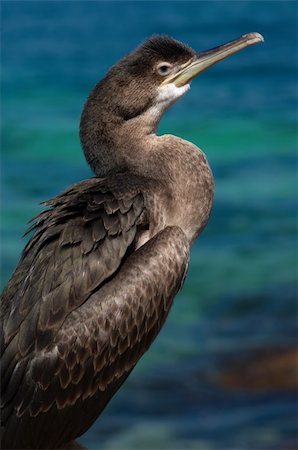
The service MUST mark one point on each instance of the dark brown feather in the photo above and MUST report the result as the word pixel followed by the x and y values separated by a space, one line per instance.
pixel 70 326
pixel 87 343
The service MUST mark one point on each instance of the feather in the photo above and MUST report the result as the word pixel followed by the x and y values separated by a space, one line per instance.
pixel 83 311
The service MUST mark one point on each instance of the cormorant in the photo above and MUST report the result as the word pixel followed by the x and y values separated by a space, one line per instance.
pixel 96 280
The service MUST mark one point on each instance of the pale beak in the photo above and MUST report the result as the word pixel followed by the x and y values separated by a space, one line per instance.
pixel 206 59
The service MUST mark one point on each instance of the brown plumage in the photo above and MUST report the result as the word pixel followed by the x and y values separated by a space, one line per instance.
pixel 96 280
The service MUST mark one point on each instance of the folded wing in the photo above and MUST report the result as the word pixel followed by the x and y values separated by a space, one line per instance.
pixel 80 310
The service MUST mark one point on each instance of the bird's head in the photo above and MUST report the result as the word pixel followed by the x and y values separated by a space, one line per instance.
pixel 142 76
pixel 144 84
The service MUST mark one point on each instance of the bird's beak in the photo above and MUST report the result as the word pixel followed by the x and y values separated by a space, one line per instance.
pixel 206 59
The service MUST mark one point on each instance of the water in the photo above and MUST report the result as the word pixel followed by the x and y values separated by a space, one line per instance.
pixel 239 297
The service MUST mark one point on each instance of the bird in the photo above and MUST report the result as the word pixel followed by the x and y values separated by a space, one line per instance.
pixel 106 257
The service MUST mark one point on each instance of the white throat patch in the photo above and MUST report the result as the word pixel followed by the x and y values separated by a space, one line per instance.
pixel 169 93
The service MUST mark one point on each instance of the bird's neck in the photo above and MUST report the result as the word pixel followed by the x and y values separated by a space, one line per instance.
pixel 177 168
pixel 114 144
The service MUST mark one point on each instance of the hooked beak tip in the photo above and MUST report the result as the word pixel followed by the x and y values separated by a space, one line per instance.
pixel 254 36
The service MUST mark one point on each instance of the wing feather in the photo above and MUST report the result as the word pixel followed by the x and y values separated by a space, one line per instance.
pixel 83 311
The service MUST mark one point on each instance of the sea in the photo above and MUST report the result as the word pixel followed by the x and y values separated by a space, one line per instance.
pixel 222 374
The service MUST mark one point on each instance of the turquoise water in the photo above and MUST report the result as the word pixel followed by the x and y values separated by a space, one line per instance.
pixel 239 297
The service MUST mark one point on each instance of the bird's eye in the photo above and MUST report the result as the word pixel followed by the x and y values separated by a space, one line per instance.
pixel 164 68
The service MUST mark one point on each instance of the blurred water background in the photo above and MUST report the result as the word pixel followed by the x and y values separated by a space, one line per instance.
pixel 222 374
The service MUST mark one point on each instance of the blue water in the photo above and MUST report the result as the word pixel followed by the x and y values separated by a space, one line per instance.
pixel 240 294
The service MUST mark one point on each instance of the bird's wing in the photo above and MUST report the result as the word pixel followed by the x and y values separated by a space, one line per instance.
pixel 78 243
pixel 84 313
